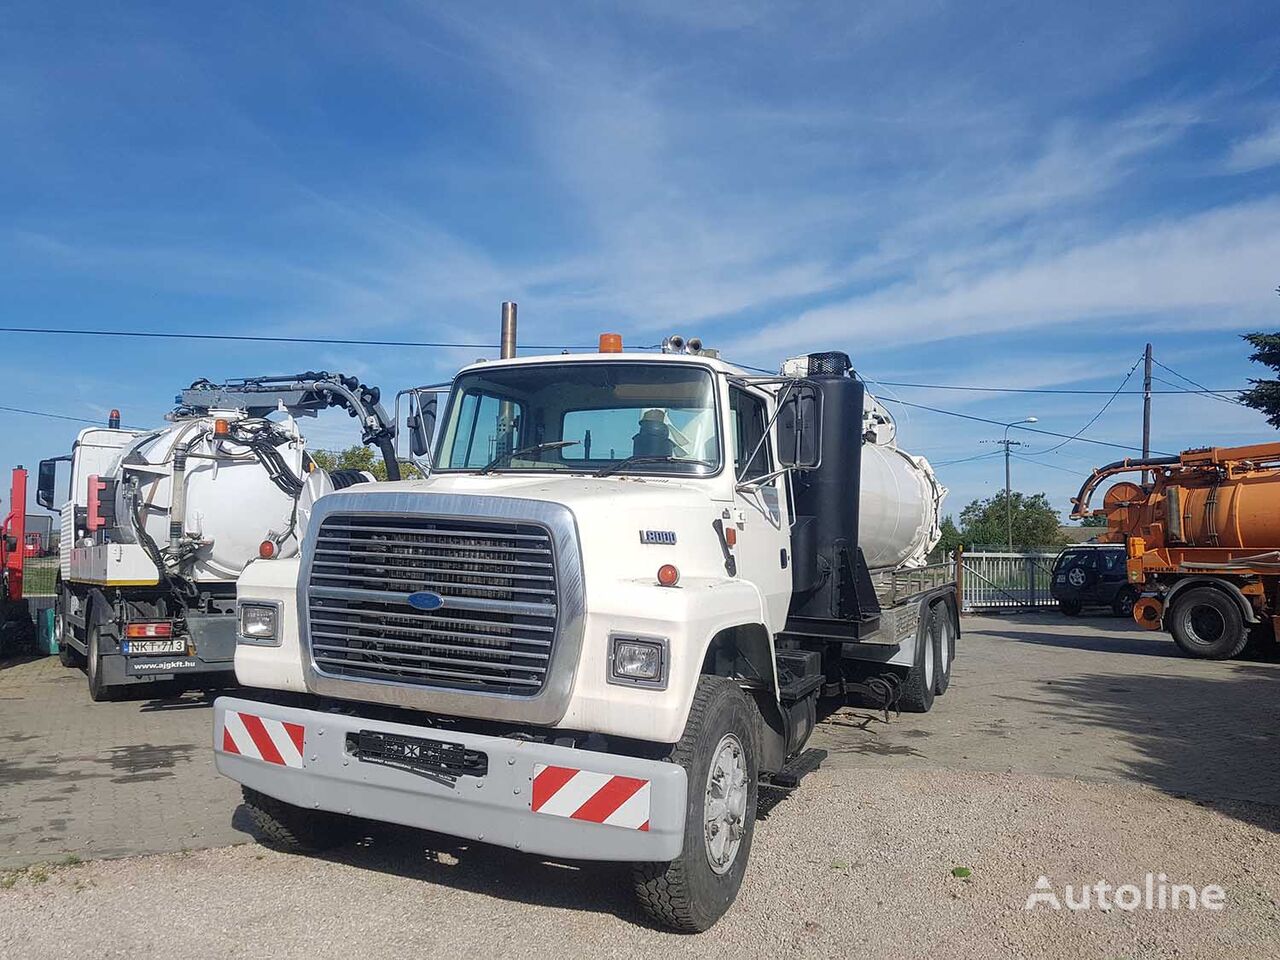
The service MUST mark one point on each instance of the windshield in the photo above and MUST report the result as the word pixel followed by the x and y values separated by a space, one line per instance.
pixel 584 417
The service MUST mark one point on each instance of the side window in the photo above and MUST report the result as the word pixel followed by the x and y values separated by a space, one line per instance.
pixel 475 441
pixel 748 420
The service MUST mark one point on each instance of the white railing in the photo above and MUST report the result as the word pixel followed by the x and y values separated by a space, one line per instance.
pixel 1001 581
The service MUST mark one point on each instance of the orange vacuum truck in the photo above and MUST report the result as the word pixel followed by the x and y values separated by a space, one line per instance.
pixel 1203 543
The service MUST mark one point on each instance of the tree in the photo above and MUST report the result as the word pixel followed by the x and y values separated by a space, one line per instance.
pixel 951 539
pixel 1035 523
pixel 1094 521
pixel 1264 395
pixel 359 457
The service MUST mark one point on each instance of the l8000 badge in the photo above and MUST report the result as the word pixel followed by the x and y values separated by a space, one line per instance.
pixel 665 537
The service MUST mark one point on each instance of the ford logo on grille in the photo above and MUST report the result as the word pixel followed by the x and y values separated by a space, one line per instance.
pixel 426 600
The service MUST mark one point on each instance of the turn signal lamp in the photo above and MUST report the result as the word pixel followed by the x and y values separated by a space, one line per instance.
pixel 610 343
pixel 668 575
pixel 730 536
pixel 266 549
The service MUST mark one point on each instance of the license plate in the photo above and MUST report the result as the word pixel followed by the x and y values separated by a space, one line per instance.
pixel 429 758
pixel 143 647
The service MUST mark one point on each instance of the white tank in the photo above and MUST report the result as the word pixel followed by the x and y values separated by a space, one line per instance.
pixel 229 503
pixel 900 506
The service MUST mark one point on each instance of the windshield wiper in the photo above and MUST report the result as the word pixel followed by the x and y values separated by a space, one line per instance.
pixel 647 458
pixel 535 448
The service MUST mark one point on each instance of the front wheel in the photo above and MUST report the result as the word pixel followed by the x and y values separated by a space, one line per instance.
pixel 1122 605
pixel 718 753
pixel 286 827
pixel 1070 608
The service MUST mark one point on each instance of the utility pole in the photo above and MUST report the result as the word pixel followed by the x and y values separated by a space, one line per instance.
pixel 1008 484
pixel 1146 408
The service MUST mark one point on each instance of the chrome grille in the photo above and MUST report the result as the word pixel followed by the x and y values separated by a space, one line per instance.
pixel 494 632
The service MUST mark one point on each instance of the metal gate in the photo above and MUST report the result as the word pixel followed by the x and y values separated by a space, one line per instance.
pixel 1001 581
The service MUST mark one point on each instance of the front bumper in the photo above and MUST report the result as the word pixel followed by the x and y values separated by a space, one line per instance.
pixel 536 797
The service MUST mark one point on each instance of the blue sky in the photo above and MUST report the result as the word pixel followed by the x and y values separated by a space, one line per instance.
pixel 1021 197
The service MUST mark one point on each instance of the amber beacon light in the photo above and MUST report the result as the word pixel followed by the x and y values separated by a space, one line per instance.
pixel 610 343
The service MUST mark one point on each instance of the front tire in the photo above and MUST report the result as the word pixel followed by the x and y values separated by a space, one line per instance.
pixel 283 826
pixel 718 753
pixel 1207 624
pixel 1070 608
pixel 1122 605
pixel 67 655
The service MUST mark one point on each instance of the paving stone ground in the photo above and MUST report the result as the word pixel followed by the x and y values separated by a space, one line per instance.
pixel 1091 698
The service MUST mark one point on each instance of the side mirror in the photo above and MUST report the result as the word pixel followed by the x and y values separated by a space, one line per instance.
pixel 421 423
pixel 45 482
pixel 800 428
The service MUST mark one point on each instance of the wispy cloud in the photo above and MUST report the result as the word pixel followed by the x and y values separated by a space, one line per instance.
pixel 1256 152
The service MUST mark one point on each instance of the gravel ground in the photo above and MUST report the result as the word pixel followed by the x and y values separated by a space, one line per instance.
pixel 843 866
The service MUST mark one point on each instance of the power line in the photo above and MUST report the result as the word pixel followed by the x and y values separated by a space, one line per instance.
pixel 1165 366
pixel 1001 423
pixel 1051 466
pixel 1048 390
pixel 980 456
pixel 339 341
pixel 51 416
pixel 1094 418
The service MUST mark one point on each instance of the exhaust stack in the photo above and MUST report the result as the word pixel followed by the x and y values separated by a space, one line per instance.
pixel 508 343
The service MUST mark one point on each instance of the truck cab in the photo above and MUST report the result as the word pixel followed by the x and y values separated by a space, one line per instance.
pixel 608 612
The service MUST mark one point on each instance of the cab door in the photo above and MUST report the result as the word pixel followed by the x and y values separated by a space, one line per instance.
pixel 758 511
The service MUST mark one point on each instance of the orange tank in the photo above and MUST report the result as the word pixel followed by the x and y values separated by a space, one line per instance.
pixel 1220 497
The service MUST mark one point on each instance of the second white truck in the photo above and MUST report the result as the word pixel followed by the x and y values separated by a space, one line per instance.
pixel 609 612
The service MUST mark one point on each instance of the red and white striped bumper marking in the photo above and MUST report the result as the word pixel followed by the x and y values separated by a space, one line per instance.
pixel 591 797
pixel 262 738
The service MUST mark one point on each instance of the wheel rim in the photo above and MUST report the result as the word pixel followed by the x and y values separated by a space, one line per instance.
pixel 1076 577
pixel 945 643
pixel 725 805
pixel 58 628
pixel 929 665
pixel 92 647
pixel 1207 623
pixel 1126 604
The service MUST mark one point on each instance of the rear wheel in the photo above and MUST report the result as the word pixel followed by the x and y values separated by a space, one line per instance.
pixel 917 692
pixel 944 638
pixel 1208 624
pixel 1070 608
pixel 286 827
pixel 99 690
pixel 718 754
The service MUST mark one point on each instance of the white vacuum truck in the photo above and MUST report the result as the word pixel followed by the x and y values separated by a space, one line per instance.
pixel 607 615
pixel 159 523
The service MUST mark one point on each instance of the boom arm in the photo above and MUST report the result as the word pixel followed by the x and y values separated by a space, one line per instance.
pixel 300 394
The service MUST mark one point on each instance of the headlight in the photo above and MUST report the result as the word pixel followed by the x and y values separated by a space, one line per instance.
pixel 638 661
pixel 259 623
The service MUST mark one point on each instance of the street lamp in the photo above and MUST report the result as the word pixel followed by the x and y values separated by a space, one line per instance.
pixel 1008 493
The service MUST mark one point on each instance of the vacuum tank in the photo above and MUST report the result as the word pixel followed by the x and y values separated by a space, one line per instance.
pixel 900 506
pixel 207 491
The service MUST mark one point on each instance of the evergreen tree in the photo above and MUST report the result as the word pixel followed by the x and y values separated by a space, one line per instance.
pixel 1264 395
